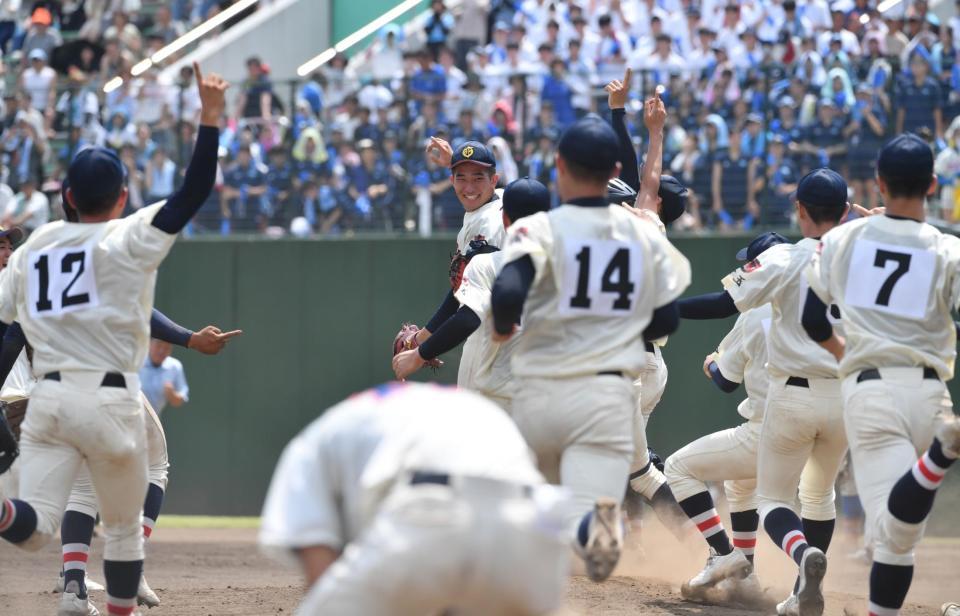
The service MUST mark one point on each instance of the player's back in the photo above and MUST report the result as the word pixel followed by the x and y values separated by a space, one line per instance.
pixel 743 356
pixel 778 277
pixel 896 282
pixel 600 274
pixel 83 292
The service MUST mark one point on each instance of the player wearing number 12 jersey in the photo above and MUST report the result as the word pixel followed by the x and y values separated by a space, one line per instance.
pixel 83 293
pixel 896 280
pixel 592 281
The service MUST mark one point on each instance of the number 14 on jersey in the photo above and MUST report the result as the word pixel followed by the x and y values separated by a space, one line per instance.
pixel 600 277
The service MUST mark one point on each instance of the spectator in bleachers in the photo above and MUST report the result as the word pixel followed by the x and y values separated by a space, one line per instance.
pixel 365 128
pixel 426 124
pixel 321 206
pixel 848 40
pixel 41 35
pixel 456 80
pixel 256 96
pixel 39 80
pixel 120 131
pixel 128 156
pixel 281 177
pixel 242 201
pixel 438 28
pixel 164 26
pixel 542 162
pixel 25 153
pixel 557 91
pixel 9 10
pixel 919 100
pixel 824 143
pixel 310 156
pixel 159 176
pixel 782 176
pixel 373 188
pixel 183 100
pixel 866 133
pixel 124 32
pixel 447 213
pixel 29 209
pixel 467 128
pixel 734 188
pixel 428 82
pixel 152 98
pixel 753 141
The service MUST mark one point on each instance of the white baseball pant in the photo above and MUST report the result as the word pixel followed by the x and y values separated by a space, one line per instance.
pixel 75 420
pixel 648 389
pixel 802 445
pixel 433 548
pixel 890 422
pixel 83 498
pixel 581 431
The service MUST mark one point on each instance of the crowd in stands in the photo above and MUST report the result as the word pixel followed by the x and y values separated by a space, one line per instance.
pixel 758 92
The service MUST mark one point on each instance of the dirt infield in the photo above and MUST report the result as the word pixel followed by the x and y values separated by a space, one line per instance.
pixel 199 572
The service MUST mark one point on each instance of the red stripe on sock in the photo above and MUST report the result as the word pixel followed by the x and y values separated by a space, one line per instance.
pixel 74 556
pixel 744 543
pixel 6 516
pixel 926 472
pixel 147 531
pixel 116 610
pixel 706 524
pixel 793 540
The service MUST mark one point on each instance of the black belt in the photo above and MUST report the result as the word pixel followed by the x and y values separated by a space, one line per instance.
pixel 650 348
pixel 442 479
pixel 798 381
pixel 610 373
pixel 872 374
pixel 110 379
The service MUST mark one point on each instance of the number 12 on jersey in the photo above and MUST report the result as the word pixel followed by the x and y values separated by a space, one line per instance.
pixel 61 280
pixel 600 277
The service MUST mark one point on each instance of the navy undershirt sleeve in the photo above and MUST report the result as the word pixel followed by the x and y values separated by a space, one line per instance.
pixel 710 306
pixel 721 381
pixel 162 328
pixel 664 322
pixel 630 173
pixel 197 184
pixel 456 329
pixel 510 292
pixel 13 342
pixel 448 307
pixel 814 318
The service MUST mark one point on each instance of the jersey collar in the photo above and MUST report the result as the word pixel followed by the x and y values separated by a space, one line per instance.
pixel 589 202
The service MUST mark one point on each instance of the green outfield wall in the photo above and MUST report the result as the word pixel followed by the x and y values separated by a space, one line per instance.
pixel 319 318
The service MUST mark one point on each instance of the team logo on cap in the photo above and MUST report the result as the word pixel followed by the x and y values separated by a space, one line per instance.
pixel 467 152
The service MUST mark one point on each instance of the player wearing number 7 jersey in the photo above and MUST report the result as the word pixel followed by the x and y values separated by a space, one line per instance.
pixel 83 293
pixel 896 280
pixel 592 281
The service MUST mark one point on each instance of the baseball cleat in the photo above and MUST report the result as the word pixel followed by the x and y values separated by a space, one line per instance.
pixel 145 594
pixel 948 433
pixel 950 609
pixel 734 564
pixel 789 606
pixel 604 540
pixel 90 584
pixel 72 605
pixel 813 566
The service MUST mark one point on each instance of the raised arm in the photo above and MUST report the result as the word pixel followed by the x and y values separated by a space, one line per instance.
pixel 202 172
pixel 617 94
pixel 654 118
pixel 210 340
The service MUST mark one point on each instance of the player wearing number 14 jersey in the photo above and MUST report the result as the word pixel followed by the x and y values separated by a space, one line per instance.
pixel 896 280
pixel 592 281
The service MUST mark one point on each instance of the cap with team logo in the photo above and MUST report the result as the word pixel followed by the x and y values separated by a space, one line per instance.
pixel 760 244
pixel 95 173
pixel 822 188
pixel 473 152
pixel 591 143
pixel 14 234
pixel 905 156
pixel 525 197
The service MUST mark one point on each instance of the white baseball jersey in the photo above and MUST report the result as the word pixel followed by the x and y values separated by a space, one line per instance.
pixel 83 293
pixel 600 273
pixel 742 358
pixel 20 381
pixel 778 277
pixel 485 222
pixel 896 282
pixel 334 475
pixel 484 364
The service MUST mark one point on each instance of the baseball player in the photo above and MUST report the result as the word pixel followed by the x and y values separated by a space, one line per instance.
pixel 896 281
pixel 592 281
pixel 484 365
pixel 394 502
pixel 659 199
pixel 729 455
pixel 82 294
pixel 804 413
pixel 473 173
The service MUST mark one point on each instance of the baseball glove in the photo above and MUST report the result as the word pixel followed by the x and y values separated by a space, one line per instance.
pixel 9 450
pixel 406 340
pixel 458 261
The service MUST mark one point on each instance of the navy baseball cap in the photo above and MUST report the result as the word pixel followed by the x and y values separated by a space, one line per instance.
pixel 673 197
pixel 525 197
pixel 473 152
pixel 591 143
pixel 759 244
pixel 906 155
pixel 14 234
pixel 822 188
pixel 95 174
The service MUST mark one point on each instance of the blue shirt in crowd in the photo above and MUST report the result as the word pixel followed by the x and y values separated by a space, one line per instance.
pixel 153 377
